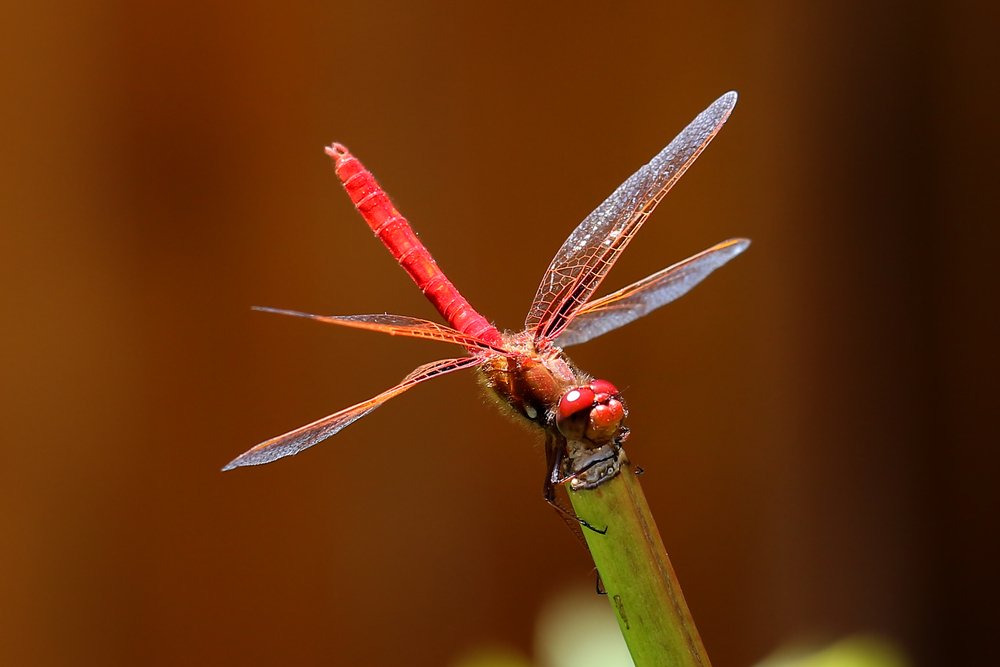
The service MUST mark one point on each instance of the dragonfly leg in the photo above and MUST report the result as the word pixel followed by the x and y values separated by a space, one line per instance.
pixel 598 584
pixel 554 454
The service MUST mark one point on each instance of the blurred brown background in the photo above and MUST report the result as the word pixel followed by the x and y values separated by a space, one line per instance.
pixel 814 420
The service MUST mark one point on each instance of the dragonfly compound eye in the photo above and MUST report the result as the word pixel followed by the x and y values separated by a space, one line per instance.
pixel 575 400
pixel 592 413
pixel 574 412
pixel 605 420
pixel 600 387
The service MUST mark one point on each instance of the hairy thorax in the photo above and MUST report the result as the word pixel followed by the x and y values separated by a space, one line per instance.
pixel 586 415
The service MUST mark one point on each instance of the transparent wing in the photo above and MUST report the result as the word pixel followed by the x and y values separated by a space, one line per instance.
pixel 306 436
pixel 592 249
pixel 640 298
pixel 394 325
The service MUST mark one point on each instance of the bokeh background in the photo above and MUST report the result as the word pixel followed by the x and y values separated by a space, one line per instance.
pixel 816 421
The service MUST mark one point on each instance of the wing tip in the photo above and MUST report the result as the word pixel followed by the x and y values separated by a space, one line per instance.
pixel 724 106
pixel 731 247
pixel 282 311
pixel 243 460
pixel 255 457
pixel 740 244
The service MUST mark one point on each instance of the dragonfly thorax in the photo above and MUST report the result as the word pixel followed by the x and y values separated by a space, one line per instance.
pixel 585 414
pixel 530 383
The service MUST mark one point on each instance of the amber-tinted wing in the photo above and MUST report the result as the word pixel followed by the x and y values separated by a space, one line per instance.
pixel 640 298
pixel 592 249
pixel 311 434
pixel 394 325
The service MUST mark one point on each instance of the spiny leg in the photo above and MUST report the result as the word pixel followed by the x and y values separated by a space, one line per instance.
pixel 554 453
pixel 598 584
pixel 562 480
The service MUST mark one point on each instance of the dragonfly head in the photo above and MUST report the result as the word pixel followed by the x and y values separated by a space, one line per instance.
pixel 593 412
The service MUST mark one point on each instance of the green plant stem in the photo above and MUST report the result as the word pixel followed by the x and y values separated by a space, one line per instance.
pixel 637 575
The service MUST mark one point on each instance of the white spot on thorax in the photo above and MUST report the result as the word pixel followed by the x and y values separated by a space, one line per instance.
pixel 530 411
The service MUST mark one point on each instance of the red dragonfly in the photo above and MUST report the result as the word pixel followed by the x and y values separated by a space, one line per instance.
pixel 583 418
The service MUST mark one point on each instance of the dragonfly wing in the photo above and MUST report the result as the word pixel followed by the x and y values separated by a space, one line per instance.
pixel 394 325
pixel 638 299
pixel 592 249
pixel 306 436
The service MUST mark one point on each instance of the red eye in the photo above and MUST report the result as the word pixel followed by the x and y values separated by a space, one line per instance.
pixel 605 421
pixel 575 400
pixel 604 387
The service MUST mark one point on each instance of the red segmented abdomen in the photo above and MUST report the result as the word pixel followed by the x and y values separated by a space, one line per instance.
pixel 396 234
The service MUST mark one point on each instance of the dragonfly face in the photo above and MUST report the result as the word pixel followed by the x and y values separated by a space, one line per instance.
pixel 591 418
pixel 594 411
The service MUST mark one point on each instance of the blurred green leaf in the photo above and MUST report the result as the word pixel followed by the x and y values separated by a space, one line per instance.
pixel 859 651
pixel 492 657
pixel 578 629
